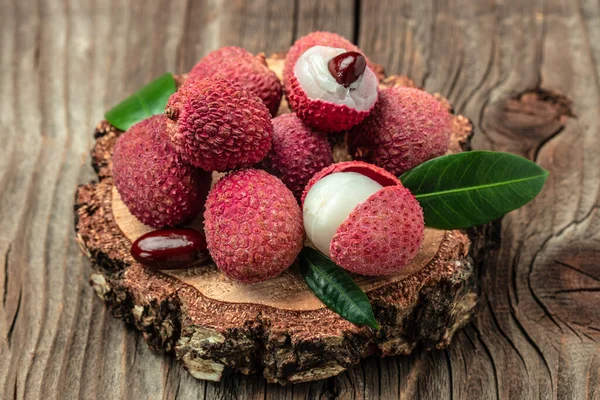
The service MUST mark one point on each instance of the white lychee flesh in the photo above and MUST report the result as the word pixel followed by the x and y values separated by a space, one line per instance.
pixel 313 74
pixel 330 201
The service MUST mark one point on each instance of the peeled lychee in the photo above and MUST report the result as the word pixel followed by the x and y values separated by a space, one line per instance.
pixel 239 65
pixel 154 182
pixel 407 127
pixel 253 225
pixel 218 125
pixel 362 218
pixel 298 152
pixel 331 89
pixel 328 39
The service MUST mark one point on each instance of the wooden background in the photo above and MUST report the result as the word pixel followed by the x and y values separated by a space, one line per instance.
pixel 526 74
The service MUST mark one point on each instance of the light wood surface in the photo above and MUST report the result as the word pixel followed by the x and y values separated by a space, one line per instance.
pixel 525 73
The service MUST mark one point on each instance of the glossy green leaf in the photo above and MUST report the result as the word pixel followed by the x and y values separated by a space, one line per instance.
pixel 336 288
pixel 472 188
pixel 146 102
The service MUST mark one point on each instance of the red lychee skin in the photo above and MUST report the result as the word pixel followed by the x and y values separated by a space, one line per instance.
pixel 317 39
pixel 407 127
pixel 239 65
pixel 322 115
pixel 379 175
pixel 253 225
pixel 381 235
pixel 218 125
pixel 297 154
pixel 154 182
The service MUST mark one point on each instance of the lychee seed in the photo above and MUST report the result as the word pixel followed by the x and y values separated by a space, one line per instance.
pixel 347 67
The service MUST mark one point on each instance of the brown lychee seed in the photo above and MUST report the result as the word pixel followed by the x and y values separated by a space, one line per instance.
pixel 170 248
pixel 347 67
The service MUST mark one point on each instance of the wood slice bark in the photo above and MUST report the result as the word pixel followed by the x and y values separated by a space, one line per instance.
pixel 214 325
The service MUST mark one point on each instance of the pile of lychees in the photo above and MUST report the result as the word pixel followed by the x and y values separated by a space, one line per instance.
pixel 282 182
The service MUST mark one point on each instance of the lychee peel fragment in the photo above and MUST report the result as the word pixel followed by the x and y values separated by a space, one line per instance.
pixel 381 235
pixel 322 115
pixel 253 225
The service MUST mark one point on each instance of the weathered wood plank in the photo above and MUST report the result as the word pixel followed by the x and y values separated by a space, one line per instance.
pixel 527 341
pixel 500 63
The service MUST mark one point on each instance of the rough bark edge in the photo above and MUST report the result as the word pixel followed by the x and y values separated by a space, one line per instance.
pixel 211 338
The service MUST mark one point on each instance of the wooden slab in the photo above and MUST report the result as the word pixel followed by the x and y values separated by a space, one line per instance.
pixel 214 324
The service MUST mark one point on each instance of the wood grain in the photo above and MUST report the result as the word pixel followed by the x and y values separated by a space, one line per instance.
pixel 501 63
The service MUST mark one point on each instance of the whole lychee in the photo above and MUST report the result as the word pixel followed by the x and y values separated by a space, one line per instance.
pixel 253 225
pixel 318 38
pixel 331 89
pixel 407 127
pixel 362 218
pixel 154 182
pixel 297 154
pixel 239 65
pixel 218 125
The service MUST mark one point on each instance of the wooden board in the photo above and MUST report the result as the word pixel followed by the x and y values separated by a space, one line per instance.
pixel 499 63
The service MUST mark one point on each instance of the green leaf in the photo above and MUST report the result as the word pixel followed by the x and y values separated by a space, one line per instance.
pixel 146 102
pixel 472 188
pixel 336 288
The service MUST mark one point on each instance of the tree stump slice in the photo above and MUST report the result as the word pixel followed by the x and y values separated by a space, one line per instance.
pixel 215 325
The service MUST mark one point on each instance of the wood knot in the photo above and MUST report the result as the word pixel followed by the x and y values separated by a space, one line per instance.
pixel 523 123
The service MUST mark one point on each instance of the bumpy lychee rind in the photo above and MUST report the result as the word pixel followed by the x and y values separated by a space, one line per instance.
pixel 297 154
pixel 253 225
pixel 321 115
pixel 381 235
pixel 239 65
pixel 407 127
pixel 318 39
pixel 218 125
pixel 374 172
pixel 154 182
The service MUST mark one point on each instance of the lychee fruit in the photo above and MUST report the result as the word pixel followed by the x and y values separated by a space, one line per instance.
pixel 154 182
pixel 362 217
pixel 318 38
pixel 298 152
pixel 407 127
pixel 253 225
pixel 218 125
pixel 331 89
pixel 239 65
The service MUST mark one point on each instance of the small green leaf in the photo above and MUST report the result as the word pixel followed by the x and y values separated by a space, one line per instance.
pixel 336 288
pixel 472 188
pixel 146 102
